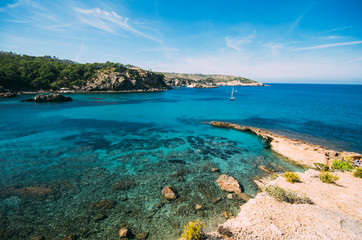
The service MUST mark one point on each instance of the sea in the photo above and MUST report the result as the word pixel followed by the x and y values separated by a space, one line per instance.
pixel 86 168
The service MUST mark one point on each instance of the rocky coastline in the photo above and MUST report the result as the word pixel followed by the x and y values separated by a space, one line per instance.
pixel 335 212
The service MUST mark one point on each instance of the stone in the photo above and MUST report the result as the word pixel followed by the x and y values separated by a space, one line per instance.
pixel 198 207
pixel 242 196
pixel 168 193
pixel 53 97
pixel 123 232
pixel 38 238
pixel 230 196
pixel 228 183
pixel 103 204
pixel 215 170
pixel 34 192
pixel 266 169
pixel 216 200
pixel 99 217
pixel 142 236
pixel 226 214
pixel 70 237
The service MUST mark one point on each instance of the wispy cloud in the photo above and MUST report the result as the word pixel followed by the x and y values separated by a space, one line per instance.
pixel 108 21
pixel 10 6
pixel 328 46
pixel 338 29
pixel 236 43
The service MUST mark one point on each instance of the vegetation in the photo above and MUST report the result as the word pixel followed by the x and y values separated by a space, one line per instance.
pixel 328 177
pixel 358 172
pixel 23 72
pixel 291 177
pixel 193 230
pixel 321 167
pixel 274 176
pixel 281 194
pixel 342 165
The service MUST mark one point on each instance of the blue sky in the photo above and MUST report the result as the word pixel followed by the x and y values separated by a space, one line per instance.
pixel 268 41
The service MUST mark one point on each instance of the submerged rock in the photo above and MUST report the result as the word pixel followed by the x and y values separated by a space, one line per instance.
pixel 103 204
pixel 228 183
pixel 34 192
pixel 198 207
pixel 168 193
pixel 53 97
pixel 226 214
pixel 266 169
pixel 142 236
pixel 123 232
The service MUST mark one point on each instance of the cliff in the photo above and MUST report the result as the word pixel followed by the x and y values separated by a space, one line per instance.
pixel 204 81
pixel 132 79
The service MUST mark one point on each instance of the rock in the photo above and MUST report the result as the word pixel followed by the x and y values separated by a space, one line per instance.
pixel 168 193
pixel 266 169
pixel 103 204
pixel 8 95
pixel 53 97
pixel 216 200
pixel 226 214
pixel 34 192
pixel 123 185
pixel 159 205
pixel 142 236
pixel 198 207
pixel 230 196
pixel 123 232
pixel 228 183
pixel 238 196
pixel 70 237
pixel 38 238
pixel 215 170
pixel 99 217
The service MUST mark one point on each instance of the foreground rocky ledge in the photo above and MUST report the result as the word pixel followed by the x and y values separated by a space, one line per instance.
pixel 335 214
pixel 301 152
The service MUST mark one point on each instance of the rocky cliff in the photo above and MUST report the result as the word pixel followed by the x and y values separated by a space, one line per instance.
pixel 132 79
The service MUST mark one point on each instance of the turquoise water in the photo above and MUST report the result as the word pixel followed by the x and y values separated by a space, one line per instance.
pixel 58 161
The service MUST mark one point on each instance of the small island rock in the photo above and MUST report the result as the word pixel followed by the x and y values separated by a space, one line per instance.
pixel 168 193
pixel 228 183
pixel 53 97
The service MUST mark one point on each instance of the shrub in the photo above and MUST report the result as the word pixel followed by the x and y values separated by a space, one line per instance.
pixel 281 194
pixel 342 165
pixel 193 230
pixel 321 167
pixel 327 177
pixel 358 172
pixel 274 176
pixel 291 177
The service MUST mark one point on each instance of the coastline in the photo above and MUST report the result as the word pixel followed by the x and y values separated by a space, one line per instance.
pixel 336 210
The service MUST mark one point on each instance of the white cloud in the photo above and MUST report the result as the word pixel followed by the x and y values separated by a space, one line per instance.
pixel 10 6
pixel 236 43
pixel 108 21
pixel 327 46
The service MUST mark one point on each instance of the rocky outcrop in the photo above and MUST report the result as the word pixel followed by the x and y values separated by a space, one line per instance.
pixel 53 97
pixel 228 183
pixel 8 94
pixel 132 79
pixel 296 150
pixel 168 193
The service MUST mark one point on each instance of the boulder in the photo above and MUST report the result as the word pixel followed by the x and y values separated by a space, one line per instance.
pixel 168 193
pixel 228 183
pixel 123 232
pixel 53 97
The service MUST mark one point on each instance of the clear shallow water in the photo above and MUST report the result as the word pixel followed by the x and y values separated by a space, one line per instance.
pixel 124 148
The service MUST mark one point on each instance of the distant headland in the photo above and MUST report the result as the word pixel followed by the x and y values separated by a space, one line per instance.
pixel 23 73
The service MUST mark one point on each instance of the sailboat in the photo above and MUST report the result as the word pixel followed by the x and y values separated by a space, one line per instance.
pixel 232 95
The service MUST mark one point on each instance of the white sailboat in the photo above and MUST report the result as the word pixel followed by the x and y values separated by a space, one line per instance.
pixel 232 95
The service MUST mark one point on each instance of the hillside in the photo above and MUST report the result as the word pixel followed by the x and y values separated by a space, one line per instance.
pixel 184 79
pixel 29 73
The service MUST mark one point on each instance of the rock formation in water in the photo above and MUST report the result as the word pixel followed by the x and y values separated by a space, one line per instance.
pixel 53 97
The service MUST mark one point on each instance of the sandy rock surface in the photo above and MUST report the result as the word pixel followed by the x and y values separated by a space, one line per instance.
pixel 335 214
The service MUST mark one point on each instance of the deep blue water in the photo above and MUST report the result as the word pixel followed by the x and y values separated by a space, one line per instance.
pixel 126 147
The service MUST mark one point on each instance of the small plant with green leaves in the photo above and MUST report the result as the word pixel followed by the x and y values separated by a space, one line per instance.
pixel 358 172
pixel 193 231
pixel 321 167
pixel 342 165
pixel 328 177
pixel 291 177
pixel 274 176
pixel 281 194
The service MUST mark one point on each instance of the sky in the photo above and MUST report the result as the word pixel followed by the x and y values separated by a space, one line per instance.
pixel 286 41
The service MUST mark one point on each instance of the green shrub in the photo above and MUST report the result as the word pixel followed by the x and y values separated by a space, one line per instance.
pixel 281 194
pixel 328 177
pixel 358 172
pixel 274 176
pixel 321 167
pixel 193 230
pixel 291 177
pixel 342 165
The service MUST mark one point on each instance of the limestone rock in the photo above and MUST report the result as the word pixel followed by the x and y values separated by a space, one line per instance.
pixel 198 207
pixel 228 183
pixel 53 97
pixel 215 170
pixel 123 232
pixel 168 193
pixel 226 214
pixel 216 200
